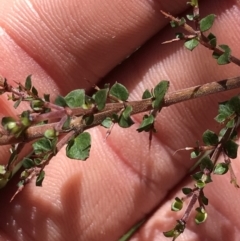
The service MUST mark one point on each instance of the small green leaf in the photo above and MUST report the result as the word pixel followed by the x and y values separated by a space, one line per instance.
pixel 146 94
pixel 10 125
pixel 119 91
pixel 42 145
pixel 28 83
pixel 204 200
pixel 200 184
pixel 221 168
pixel 100 98
pixel 207 22
pixel 174 24
pixel 220 118
pixel 195 154
pixel 230 148
pixel 147 123
pixel 159 92
pixel 186 190
pixel 234 104
pixel 230 123
pixel 89 119
pixel 177 204
pixel 191 44
pixel 197 176
pixel 206 163
pixel 169 234
pixel 210 138
pixel 212 40
pixel 79 148
pixel 125 120
pixel 215 55
pixel 46 97
pixel 75 98
pixel 107 122
pixel 34 91
pixel 201 215
pixel 223 58
pixel 37 105
pixel 2 170
pixel 180 36
pixel 225 111
pixel 182 21
pixel 6 121
pixel 40 178
pixel 17 103
pixel 28 163
pixel 174 233
pixel 60 101
pixel 190 17
pixel 50 133
pixel 67 123
pixel 193 3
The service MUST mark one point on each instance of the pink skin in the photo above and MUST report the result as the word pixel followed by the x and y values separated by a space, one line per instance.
pixel 63 43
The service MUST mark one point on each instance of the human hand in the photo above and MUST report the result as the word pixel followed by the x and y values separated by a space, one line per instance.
pixel 64 44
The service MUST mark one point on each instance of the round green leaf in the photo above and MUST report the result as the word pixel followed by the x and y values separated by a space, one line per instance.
pixel 146 124
pixel 28 163
pixel 206 163
pixel 75 98
pixel 125 120
pixel 230 148
pixel 60 101
pixel 42 145
pixel 191 44
pixel 221 168
pixel 79 148
pixel 177 204
pixel 186 190
pixel 119 91
pixel 107 122
pixel 201 216
pixel 207 22
pixel 212 40
pixel 195 154
pixel 146 94
pixel 210 138
pixel 159 92
pixel 169 234
pixel 40 178
pixel 100 98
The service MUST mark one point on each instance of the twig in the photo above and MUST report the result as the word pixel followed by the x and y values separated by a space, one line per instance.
pixel 77 123
pixel 203 39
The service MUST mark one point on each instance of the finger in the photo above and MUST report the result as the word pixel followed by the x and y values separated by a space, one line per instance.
pixel 74 41
pixel 67 45
pixel 111 177
pixel 183 124
pixel 31 44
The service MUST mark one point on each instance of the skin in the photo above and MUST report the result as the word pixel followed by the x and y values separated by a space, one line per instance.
pixel 65 43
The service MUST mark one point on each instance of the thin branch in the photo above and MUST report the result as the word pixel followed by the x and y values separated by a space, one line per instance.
pixel 78 124
pixel 203 39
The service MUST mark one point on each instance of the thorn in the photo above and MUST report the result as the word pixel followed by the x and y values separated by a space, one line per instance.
pixel 109 131
pixel 20 188
pixel 170 41
pixel 184 149
pixel 150 140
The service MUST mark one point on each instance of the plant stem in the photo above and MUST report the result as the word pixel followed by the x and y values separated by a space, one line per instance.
pixel 202 39
pixel 78 124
